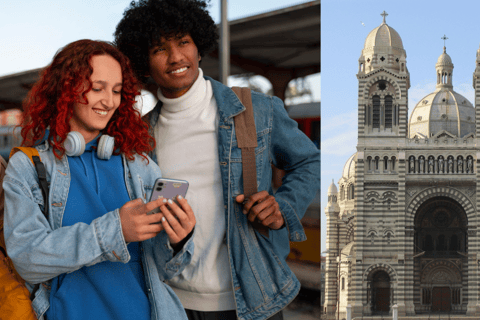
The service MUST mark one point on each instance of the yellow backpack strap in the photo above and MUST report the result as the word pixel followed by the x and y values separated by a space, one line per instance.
pixel 34 156
pixel 29 151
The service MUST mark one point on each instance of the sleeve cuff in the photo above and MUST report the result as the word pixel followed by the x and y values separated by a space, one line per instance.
pixel 108 229
pixel 292 222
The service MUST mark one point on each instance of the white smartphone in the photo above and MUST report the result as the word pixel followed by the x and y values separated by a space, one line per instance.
pixel 169 189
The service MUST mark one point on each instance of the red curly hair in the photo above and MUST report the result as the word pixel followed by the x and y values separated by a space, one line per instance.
pixel 49 105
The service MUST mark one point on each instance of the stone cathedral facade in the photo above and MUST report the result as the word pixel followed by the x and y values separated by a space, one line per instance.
pixel 402 223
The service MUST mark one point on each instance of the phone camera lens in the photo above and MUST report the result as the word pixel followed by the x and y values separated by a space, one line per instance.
pixel 160 183
pixel 159 188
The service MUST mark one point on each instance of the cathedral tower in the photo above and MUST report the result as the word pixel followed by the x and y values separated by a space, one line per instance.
pixel 383 81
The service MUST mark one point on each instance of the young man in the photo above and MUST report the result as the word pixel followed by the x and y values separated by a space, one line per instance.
pixel 235 272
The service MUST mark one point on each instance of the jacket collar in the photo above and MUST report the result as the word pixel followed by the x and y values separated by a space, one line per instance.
pixel 227 101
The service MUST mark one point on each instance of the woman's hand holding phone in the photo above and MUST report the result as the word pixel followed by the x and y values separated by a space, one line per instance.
pixel 177 221
pixel 137 225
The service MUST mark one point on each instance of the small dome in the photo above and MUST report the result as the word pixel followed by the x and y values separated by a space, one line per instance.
pixel 332 189
pixel 349 168
pixel 444 59
pixel 442 110
pixel 383 49
pixel 383 36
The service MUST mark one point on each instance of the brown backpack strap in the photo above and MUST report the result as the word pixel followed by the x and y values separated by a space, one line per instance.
pixel 246 134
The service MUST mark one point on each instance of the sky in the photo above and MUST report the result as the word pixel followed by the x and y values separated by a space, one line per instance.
pixel 31 31
pixel 421 25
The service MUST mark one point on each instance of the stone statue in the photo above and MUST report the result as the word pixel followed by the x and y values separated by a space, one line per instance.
pixel 450 165
pixel 430 165
pixel 421 165
pixel 440 165
pixel 460 165
pixel 469 165
pixel 412 165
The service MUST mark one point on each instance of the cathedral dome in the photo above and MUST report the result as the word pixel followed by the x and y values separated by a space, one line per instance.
pixel 349 168
pixel 383 49
pixel 383 36
pixel 442 110
pixel 444 60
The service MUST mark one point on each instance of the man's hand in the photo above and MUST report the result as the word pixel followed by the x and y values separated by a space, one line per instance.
pixel 136 224
pixel 263 207
pixel 178 222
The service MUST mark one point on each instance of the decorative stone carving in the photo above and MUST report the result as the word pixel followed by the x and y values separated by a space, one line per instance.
pixel 440 276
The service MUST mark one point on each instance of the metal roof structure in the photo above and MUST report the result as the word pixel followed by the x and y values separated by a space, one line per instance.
pixel 280 45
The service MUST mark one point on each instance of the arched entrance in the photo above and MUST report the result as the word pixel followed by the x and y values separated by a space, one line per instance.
pixel 380 292
pixel 440 246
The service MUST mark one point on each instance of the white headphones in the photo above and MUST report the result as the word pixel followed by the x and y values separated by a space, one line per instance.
pixel 75 145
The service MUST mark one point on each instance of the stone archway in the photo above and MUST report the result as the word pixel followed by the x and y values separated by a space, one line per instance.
pixel 441 246
pixel 441 287
pixel 381 283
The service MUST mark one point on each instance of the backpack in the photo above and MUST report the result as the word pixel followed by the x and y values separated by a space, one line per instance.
pixel 15 299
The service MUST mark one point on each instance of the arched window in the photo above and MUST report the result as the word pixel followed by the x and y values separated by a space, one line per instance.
pixel 369 162
pixel 343 283
pixel 376 112
pixel 388 111
pixel 352 192
pixel 342 193
pixel 393 163
pixel 385 163
pixel 377 160
pixel 428 243
pixel 453 243
pixel 441 245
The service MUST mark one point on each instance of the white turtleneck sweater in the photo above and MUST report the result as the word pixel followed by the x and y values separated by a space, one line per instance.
pixel 187 148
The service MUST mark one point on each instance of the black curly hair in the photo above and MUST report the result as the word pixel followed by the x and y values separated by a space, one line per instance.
pixel 145 22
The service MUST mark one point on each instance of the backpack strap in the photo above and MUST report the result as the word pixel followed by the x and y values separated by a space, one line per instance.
pixel 34 156
pixel 246 134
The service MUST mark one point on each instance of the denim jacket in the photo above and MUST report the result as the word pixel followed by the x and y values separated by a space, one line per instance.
pixel 32 241
pixel 263 283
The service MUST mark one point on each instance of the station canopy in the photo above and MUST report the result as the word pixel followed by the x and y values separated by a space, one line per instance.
pixel 280 45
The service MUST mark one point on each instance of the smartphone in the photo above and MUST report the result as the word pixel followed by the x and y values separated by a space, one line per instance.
pixel 169 189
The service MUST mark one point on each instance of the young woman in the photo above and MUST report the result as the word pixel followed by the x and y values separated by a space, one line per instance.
pixel 99 255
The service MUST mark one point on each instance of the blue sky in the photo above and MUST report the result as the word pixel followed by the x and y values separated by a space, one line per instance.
pixel 421 25
pixel 31 31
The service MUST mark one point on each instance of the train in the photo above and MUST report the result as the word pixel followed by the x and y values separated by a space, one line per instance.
pixel 304 257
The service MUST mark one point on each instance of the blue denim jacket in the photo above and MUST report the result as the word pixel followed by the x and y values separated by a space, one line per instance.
pixel 262 281
pixel 32 241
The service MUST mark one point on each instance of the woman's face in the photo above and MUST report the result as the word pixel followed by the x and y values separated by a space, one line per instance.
pixel 103 99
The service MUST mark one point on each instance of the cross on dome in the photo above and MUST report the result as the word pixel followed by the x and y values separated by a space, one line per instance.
pixel 384 14
pixel 444 38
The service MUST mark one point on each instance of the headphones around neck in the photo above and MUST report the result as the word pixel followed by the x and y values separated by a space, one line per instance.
pixel 75 145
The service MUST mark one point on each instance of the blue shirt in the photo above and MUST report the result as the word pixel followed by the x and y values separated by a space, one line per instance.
pixel 107 290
